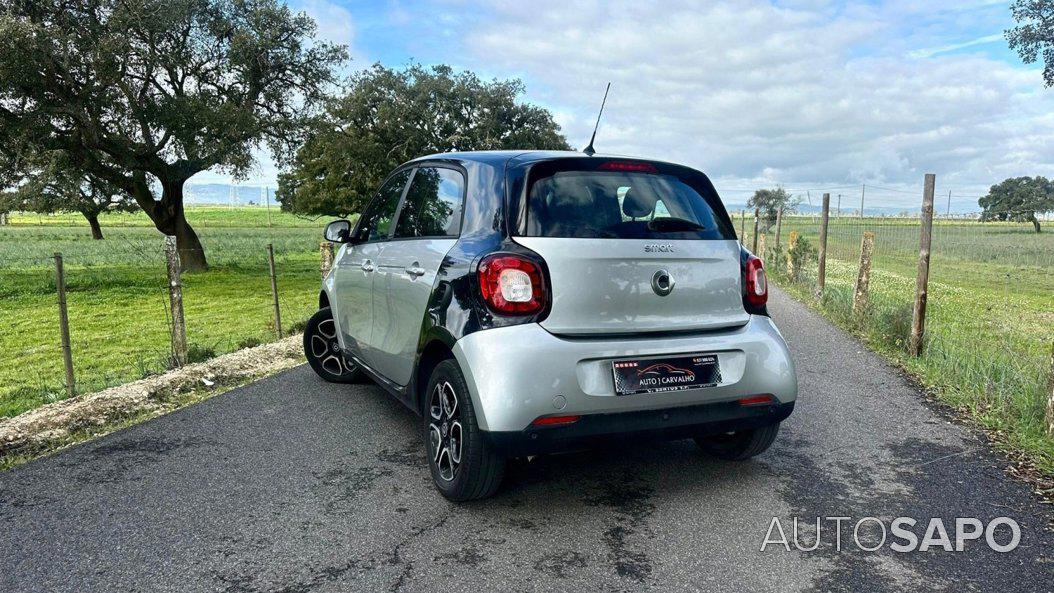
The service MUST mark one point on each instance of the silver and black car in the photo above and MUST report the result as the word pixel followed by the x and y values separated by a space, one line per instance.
pixel 534 302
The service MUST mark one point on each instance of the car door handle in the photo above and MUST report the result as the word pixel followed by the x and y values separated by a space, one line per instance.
pixel 367 266
pixel 415 270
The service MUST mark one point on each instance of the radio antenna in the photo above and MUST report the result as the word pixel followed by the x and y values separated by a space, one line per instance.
pixel 589 149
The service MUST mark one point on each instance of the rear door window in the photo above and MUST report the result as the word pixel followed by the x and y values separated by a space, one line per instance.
pixel 377 221
pixel 433 204
pixel 620 205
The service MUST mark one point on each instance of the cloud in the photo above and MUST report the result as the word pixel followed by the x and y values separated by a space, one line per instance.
pixel 751 92
pixel 335 23
pixel 932 51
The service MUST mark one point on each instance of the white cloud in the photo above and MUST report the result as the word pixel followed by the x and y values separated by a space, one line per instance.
pixel 753 92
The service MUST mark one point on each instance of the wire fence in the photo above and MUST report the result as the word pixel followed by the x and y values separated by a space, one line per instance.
pixel 117 298
pixel 989 313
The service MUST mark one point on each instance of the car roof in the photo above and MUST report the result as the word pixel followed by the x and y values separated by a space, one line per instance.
pixel 499 158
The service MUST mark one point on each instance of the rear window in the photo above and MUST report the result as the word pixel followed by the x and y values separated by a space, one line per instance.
pixel 621 205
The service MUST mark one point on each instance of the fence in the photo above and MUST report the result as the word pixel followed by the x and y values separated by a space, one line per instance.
pixel 988 303
pixel 119 311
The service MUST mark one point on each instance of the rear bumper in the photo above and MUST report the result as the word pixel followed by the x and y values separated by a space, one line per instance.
pixel 517 374
pixel 675 423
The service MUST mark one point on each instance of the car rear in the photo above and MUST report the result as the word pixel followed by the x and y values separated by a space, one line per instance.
pixel 627 305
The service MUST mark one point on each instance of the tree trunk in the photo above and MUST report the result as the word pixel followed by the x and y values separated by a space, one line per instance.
pixel 93 222
pixel 169 218
pixel 1034 221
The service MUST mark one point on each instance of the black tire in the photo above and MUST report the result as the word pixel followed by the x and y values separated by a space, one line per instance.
pixel 320 348
pixel 739 445
pixel 464 468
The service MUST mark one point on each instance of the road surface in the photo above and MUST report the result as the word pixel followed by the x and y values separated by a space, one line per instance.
pixel 294 485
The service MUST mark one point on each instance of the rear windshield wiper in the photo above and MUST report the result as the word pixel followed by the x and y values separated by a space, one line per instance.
pixel 673 225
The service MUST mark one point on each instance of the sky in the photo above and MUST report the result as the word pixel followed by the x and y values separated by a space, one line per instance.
pixel 812 95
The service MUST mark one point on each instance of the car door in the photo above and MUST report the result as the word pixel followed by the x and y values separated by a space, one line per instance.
pixel 428 226
pixel 357 266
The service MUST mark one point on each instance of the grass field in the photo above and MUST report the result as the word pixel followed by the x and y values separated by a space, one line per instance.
pixel 990 315
pixel 118 301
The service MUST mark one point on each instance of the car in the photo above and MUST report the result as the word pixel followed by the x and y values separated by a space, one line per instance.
pixel 533 302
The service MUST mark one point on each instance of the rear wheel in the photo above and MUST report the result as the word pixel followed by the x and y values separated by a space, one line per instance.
pixel 739 445
pixel 463 466
pixel 323 350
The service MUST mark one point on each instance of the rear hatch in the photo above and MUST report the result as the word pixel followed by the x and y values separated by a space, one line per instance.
pixel 631 246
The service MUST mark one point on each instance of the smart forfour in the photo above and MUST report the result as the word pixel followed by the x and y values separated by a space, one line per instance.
pixel 534 302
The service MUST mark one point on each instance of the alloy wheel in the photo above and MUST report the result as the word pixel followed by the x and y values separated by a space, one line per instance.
pixel 445 433
pixel 326 349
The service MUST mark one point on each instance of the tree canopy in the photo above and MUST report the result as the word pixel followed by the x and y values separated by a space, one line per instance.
pixel 51 184
pixel 1018 199
pixel 390 116
pixel 144 94
pixel 1033 37
pixel 770 201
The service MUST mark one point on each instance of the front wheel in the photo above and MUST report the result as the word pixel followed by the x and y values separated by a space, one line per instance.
pixel 463 466
pixel 323 350
pixel 739 445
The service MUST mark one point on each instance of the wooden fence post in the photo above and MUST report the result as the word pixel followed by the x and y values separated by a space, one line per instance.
pixel 779 225
pixel 743 227
pixel 175 300
pixel 64 325
pixel 863 277
pixel 1050 394
pixel 754 243
pixel 792 242
pixel 326 250
pixel 918 315
pixel 274 290
pixel 821 262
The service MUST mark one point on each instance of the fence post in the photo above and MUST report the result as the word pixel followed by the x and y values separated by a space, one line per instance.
pixel 779 225
pixel 792 242
pixel 274 290
pixel 1050 394
pixel 754 242
pixel 918 315
pixel 175 300
pixel 743 227
pixel 761 246
pixel 326 250
pixel 821 263
pixel 863 277
pixel 64 325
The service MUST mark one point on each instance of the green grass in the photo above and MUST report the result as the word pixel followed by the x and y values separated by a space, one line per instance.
pixel 118 301
pixel 990 314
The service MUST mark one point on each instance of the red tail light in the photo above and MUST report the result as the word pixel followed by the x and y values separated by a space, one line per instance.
pixel 512 284
pixel 628 167
pixel 555 420
pixel 755 282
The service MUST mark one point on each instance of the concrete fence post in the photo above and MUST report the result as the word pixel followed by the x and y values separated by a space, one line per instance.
pixel 754 242
pixel 274 290
pixel 175 301
pixel 863 276
pixel 918 316
pixel 326 252
pixel 821 261
pixel 64 325
pixel 779 225
pixel 743 227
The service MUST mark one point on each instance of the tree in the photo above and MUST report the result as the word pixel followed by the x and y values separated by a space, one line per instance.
pixel 1034 34
pixel 770 201
pixel 55 186
pixel 144 94
pixel 1018 199
pixel 391 116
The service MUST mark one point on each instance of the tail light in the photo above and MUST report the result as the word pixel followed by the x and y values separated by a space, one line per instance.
pixel 628 167
pixel 755 283
pixel 512 284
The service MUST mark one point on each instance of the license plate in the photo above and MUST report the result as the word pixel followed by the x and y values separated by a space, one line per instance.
pixel 653 375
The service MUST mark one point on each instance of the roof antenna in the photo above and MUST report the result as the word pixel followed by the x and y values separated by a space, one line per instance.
pixel 589 149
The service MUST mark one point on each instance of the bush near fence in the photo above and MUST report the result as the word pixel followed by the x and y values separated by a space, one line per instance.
pixel 989 332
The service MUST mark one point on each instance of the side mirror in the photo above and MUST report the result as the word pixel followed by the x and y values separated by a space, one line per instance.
pixel 338 231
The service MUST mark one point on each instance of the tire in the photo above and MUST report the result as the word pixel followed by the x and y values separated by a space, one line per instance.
pixel 320 348
pixel 739 445
pixel 464 468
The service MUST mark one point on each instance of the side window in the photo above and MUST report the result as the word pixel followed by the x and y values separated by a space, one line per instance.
pixel 377 221
pixel 433 204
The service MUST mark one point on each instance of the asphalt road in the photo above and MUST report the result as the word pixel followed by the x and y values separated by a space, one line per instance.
pixel 294 485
